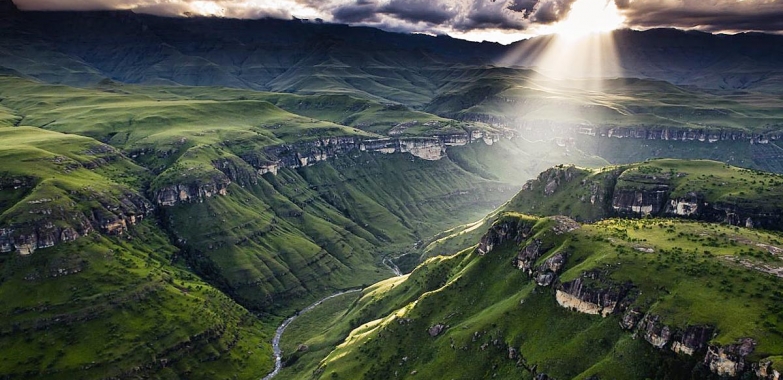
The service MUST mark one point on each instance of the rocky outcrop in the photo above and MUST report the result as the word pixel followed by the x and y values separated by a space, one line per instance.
pixel 196 191
pixel 52 224
pixel 692 340
pixel 436 330
pixel 552 179
pixel 687 206
pixel 630 319
pixel 528 256
pixel 302 154
pixel 246 169
pixel 710 135
pixel 641 193
pixel 504 230
pixel 649 202
pixel 237 170
pixel 591 293
pixel 655 332
pixel 547 273
pixel 634 193
pixel 729 360
pixel 765 371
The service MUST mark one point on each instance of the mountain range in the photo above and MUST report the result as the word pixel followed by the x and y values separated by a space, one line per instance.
pixel 172 188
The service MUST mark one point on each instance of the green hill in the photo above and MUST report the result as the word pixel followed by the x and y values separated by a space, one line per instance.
pixel 542 297
pixel 704 190
pixel 90 286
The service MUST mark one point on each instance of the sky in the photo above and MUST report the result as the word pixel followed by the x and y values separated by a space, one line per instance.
pixel 502 21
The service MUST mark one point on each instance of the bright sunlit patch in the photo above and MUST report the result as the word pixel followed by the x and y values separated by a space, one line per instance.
pixel 590 17
pixel 207 8
pixel 571 67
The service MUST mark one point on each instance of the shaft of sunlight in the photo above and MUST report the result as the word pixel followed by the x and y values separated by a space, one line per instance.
pixel 571 68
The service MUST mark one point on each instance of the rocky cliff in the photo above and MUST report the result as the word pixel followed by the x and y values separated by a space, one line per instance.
pixel 195 191
pixel 680 134
pixel 734 197
pixel 246 169
pixel 595 292
pixel 45 222
pixel 505 230
pixel 592 293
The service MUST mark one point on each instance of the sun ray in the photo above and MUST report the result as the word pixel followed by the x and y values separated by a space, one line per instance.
pixel 570 66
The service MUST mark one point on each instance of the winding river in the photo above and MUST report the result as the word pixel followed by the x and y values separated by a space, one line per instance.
pixel 392 266
pixel 278 352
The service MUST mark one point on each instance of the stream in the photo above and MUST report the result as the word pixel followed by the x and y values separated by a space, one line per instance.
pixel 278 352
pixel 392 266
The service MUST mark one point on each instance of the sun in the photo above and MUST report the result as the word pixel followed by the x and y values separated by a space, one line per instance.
pixel 590 17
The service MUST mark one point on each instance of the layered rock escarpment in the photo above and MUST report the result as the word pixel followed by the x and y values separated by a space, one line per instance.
pixel 246 169
pixel 46 222
pixel 591 293
pixel 595 292
pixel 679 134
pixel 195 191
pixel 729 360
pixel 508 230
pixel 631 192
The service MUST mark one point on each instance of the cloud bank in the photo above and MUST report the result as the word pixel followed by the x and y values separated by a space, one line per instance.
pixel 501 20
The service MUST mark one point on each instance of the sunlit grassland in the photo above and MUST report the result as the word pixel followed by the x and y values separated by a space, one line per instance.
pixel 686 272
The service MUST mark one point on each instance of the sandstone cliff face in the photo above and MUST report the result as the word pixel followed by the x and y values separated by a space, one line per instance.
pixel 765 371
pixel 678 134
pixel 246 169
pixel 48 223
pixel 552 179
pixel 192 192
pixel 504 231
pixel 630 193
pixel 689 341
pixel 729 360
pixel 648 202
pixel 591 293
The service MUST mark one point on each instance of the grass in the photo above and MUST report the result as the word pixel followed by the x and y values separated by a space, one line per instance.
pixel 588 195
pixel 99 307
pixel 273 242
pixel 308 232
pixel 49 177
pixel 512 96
pixel 490 306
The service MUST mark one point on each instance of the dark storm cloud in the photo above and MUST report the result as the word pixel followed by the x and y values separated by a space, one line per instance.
pixel 362 11
pixel 522 6
pixel 432 12
pixel 493 15
pixel 713 16
pixel 459 16
pixel 548 12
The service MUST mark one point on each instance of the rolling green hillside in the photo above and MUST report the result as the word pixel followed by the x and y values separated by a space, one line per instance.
pixel 172 188
pixel 689 189
pixel 105 306
pixel 546 297
pixel 705 190
pixel 232 176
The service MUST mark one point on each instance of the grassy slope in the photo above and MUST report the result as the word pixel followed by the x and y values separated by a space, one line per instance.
pixel 306 232
pixel 718 183
pixel 319 224
pixel 103 307
pixel 521 97
pixel 349 110
pixel 484 300
pixel 51 178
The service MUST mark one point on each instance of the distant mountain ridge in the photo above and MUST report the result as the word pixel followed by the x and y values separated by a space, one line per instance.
pixel 81 48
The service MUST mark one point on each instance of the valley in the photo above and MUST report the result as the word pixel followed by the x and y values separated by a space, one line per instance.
pixel 208 197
